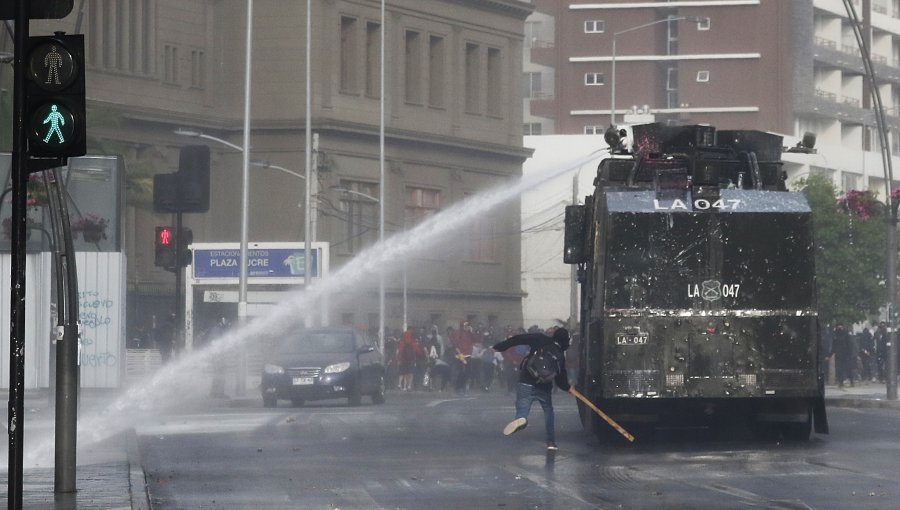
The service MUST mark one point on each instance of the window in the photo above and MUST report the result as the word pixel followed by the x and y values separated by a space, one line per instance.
pixel 594 79
pixel 494 82
pixel 170 57
pixel 198 69
pixel 849 181
pixel 672 87
pixel 472 78
pixel 596 26
pixel 532 34
pixel 436 71
pixel 481 236
pixel 359 209
pixel 413 67
pixel 703 76
pixel 531 128
pixel 594 130
pixel 348 54
pixel 121 35
pixel 532 86
pixel 373 59
pixel 421 203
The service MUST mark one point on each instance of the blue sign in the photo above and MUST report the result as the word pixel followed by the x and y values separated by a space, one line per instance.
pixel 261 263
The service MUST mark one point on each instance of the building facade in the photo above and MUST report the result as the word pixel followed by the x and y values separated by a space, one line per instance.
pixel 787 67
pixel 452 126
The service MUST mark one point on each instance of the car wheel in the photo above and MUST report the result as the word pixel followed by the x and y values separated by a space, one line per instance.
pixel 378 396
pixel 297 402
pixel 269 402
pixel 355 397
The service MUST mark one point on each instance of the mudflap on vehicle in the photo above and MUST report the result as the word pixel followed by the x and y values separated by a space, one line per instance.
pixel 820 418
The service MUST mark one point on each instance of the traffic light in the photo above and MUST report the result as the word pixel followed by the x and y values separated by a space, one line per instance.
pixel 165 193
pixel 165 247
pixel 193 174
pixel 39 9
pixel 54 96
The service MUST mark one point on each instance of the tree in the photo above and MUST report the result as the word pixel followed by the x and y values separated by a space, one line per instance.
pixel 850 250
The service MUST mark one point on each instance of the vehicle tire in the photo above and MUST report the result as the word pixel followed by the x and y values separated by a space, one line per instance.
pixel 355 398
pixel 378 396
pixel 797 431
pixel 297 402
pixel 270 402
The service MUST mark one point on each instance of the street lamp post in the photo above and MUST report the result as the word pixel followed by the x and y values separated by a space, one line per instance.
pixel 612 102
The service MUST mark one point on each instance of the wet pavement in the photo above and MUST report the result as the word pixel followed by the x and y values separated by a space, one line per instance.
pixel 110 476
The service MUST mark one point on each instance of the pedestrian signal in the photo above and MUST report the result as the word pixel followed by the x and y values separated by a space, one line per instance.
pixel 165 254
pixel 54 95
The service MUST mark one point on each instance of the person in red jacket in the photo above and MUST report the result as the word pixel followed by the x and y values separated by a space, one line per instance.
pixel 406 360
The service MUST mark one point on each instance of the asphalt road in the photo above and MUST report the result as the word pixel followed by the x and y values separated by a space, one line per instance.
pixel 438 452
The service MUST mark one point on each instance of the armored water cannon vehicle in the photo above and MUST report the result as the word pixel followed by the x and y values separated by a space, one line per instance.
pixel 697 276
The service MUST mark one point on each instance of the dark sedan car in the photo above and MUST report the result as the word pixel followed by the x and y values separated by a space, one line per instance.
pixel 317 364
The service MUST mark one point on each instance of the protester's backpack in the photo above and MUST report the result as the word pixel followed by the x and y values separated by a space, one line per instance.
pixel 544 363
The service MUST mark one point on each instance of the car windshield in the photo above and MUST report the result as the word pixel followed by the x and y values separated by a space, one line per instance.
pixel 329 341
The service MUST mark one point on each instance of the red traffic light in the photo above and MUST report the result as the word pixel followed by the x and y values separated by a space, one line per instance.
pixel 164 236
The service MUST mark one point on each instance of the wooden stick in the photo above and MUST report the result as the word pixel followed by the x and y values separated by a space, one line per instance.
pixel 600 413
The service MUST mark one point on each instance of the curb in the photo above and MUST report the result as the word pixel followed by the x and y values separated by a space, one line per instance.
pixel 137 480
pixel 862 403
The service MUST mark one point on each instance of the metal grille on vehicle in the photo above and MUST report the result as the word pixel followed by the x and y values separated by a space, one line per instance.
pixel 785 378
pixel 631 382
pixel 303 371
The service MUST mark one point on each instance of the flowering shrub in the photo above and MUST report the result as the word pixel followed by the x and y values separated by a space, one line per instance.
pixel 92 226
pixel 36 192
pixel 861 204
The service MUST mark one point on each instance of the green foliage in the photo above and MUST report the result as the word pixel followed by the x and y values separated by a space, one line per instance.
pixel 850 250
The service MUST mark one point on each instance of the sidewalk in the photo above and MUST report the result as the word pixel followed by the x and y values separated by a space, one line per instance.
pixel 863 394
pixel 105 473
pixel 109 476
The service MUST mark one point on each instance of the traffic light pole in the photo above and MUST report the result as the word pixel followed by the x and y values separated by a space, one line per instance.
pixel 19 172
pixel 67 366
pixel 178 341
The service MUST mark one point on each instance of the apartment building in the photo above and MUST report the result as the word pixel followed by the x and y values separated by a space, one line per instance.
pixel 787 67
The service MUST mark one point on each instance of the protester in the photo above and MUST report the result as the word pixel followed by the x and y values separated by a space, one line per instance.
pixel 531 387
pixel 406 360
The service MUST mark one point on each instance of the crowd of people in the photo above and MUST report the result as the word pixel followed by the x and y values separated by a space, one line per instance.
pixel 857 356
pixel 458 359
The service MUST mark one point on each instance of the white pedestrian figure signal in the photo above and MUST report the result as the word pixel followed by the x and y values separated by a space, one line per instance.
pixel 53 62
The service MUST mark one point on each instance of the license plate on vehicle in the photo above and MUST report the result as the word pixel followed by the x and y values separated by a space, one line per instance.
pixel 635 339
pixel 303 380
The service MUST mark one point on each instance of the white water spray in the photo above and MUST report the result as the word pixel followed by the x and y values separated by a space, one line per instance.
pixel 179 380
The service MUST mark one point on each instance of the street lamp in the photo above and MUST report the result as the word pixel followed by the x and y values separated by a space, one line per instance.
pixel 381 279
pixel 260 163
pixel 612 107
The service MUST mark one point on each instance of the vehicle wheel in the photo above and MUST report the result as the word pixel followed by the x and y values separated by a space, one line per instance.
pixel 797 431
pixel 297 402
pixel 355 398
pixel 378 396
pixel 270 402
